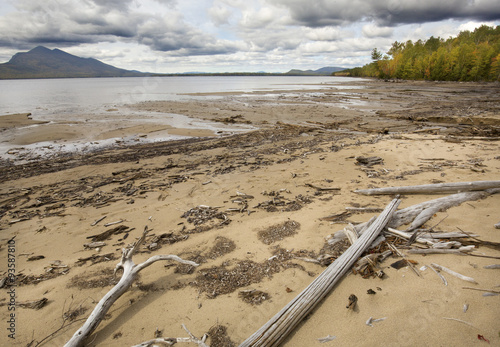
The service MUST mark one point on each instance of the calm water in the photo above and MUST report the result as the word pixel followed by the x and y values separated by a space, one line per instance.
pixel 101 102
pixel 94 95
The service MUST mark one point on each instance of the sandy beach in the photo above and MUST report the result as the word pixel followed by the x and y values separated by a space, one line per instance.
pixel 253 209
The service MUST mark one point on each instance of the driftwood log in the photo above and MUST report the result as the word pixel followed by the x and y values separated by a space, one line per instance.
pixel 130 271
pixel 433 188
pixel 420 213
pixel 278 327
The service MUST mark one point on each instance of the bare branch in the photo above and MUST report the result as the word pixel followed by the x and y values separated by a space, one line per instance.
pixel 130 271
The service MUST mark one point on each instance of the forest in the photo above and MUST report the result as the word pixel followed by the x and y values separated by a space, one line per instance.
pixel 471 56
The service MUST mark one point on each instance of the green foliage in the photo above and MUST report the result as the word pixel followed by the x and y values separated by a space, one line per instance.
pixel 471 56
pixel 376 54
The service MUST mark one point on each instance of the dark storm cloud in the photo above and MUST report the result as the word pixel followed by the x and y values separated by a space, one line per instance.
pixel 387 12
pixel 65 23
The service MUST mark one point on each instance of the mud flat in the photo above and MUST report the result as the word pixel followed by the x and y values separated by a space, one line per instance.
pixel 255 210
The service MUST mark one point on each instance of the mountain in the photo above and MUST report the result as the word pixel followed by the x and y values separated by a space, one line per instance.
pixel 42 62
pixel 324 71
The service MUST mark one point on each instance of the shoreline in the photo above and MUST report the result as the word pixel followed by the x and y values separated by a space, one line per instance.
pixel 424 133
pixel 355 106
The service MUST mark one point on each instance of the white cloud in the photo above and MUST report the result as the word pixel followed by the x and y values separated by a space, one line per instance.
pixel 234 35
pixel 219 14
pixel 326 34
pixel 372 30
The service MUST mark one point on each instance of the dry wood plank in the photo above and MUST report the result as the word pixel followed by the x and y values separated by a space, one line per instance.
pixel 455 187
pixel 278 327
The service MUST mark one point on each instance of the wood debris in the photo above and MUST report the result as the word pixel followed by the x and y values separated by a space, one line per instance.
pixel 96 258
pixel 369 161
pixel 453 273
pixel 322 188
pixel 253 296
pixel 371 320
pixel 327 338
pixel 106 235
pixel 203 214
pixel 31 304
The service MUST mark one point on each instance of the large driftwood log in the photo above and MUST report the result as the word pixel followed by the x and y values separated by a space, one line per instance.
pixel 420 213
pixel 278 327
pixel 130 271
pixel 433 188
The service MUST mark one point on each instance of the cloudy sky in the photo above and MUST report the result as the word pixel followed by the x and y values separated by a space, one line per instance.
pixel 232 35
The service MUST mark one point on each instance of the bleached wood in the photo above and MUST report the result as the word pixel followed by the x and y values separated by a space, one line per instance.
pixel 436 251
pixel 411 213
pixel 453 273
pixel 407 236
pixel 444 235
pixel 278 327
pixel 170 341
pixel 455 187
pixel 130 271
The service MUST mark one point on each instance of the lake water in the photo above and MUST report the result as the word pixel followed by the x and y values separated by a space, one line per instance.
pixel 89 100
pixel 90 95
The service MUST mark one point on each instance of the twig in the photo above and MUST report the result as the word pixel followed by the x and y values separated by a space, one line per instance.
pixel 482 290
pixel 494 245
pixel 440 276
pixel 412 267
pixel 453 273
pixel 436 251
pixel 483 256
pixel 98 220
pixel 56 331
pixel 321 188
pixel 113 223
pixel 461 321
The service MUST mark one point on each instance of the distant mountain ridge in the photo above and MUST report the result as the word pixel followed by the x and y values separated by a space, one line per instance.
pixel 41 62
pixel 324 71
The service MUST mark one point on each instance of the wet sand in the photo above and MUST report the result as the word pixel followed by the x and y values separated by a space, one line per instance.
pixel 424 132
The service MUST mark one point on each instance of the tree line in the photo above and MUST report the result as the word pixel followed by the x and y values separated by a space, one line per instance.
pixel 471 56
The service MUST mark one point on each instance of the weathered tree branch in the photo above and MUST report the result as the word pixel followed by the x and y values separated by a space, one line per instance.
pixel 130 271
pixel 420 213
pixel 433 188
pixel 278 327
